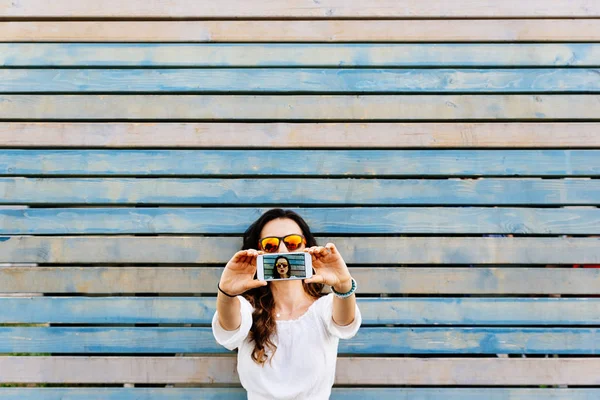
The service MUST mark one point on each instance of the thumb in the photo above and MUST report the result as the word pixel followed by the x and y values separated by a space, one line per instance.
pixel 253 284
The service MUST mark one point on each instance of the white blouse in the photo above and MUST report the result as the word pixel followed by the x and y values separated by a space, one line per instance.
pixel 303 366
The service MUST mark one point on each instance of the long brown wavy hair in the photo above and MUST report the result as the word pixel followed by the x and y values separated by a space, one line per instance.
pixel 264 325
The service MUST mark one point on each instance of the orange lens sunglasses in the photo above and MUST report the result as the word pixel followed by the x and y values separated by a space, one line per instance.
pixel 270 244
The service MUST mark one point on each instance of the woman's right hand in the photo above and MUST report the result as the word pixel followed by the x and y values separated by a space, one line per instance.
pixel 238 275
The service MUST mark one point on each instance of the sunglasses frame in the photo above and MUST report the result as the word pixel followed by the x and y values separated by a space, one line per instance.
pixel 281 239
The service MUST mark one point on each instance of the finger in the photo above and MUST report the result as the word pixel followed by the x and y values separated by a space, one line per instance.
pixel 239 255
pixel 315 279
pixel 331 247
pixel 255 284
pixel 323 251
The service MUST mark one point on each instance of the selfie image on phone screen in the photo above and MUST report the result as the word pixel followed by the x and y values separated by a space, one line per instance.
pixel 285 266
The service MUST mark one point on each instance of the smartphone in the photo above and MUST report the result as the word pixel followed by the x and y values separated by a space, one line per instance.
pixel 283 266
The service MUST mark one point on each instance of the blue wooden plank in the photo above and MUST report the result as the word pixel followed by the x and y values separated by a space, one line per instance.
pixel 300 107
pixel 375 311
pixel 372 250
pixel 375 220
pixel 373 279
pixel 299 55
pixel 489 191
pixel 287 80
pixel 354 393
pixel 380 163
pixel 381 341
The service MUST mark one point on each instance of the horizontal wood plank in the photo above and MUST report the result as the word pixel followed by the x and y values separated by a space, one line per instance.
pixel 300 191
pixel 310 135
pixel 298 9
pixel 332 221
pixel 307 163
pixel 300 80
pixel 300 107
pixel 281 55
pixel 380 341
pixel 440 30
pixel 349 371
pixel 354 393
pixel 375 311
pixel 420 280
pixel 365 250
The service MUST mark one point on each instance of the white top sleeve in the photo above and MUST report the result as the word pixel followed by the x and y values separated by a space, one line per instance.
pixel 233 339
pixel 342 332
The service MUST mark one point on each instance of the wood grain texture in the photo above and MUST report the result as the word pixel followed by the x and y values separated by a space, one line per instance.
pixel 203 279
pixel 308 135
pixel 380 341
pixel 440 30
pixel 291 192
pixel 466 311
pixel 300 80
pixel 298 9
pixel 299 107
pixel 354 393
pixel 364 250
pixel 355 371
pixel 332 221
pixel 342 55
pixel 304 163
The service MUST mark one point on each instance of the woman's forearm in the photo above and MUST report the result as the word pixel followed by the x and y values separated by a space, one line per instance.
pixel 228 311
pixel 344 309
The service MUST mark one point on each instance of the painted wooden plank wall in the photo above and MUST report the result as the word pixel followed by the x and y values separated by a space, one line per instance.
pixel 320 31
pixel 298 9
pixel 300 80
pixel 188 249
pixel 306 163
pixel 381 341
pixel 484 371
pixel 337 393
pixel 380 280
pixel 275 135
pixel 465 311
pixel 219 192
pixel 298 55
pixel 543 107
pixel 504 139
pixel 332 221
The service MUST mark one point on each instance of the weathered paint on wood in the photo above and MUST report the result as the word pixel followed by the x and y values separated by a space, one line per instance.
pixel 354 371
pixel 332 221
pixel 300 107
pixel 299 191
pixel 298 9
pixel 305 163
pixel 467 311
pixel 381 341
pixel 440 30
pixel 311 135
pixel 354 393
pixel 342 55
pixel 363 250
pixel 203 279
pixel 301 80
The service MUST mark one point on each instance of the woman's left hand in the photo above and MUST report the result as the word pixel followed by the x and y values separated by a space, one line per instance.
pixel 330 268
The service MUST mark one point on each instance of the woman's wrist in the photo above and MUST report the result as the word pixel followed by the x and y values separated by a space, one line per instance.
pixel 343 286
pixel 348 293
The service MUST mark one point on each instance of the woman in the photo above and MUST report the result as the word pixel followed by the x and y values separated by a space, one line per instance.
pixel 287 331
pixel 281 268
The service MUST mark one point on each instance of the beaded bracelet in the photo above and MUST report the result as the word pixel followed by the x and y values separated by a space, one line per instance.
pixel 348 293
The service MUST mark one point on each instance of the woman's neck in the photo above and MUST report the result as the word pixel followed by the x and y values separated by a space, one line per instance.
pixel 290 295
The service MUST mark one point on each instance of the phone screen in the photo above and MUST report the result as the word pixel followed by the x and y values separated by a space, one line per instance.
pixel 284 266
